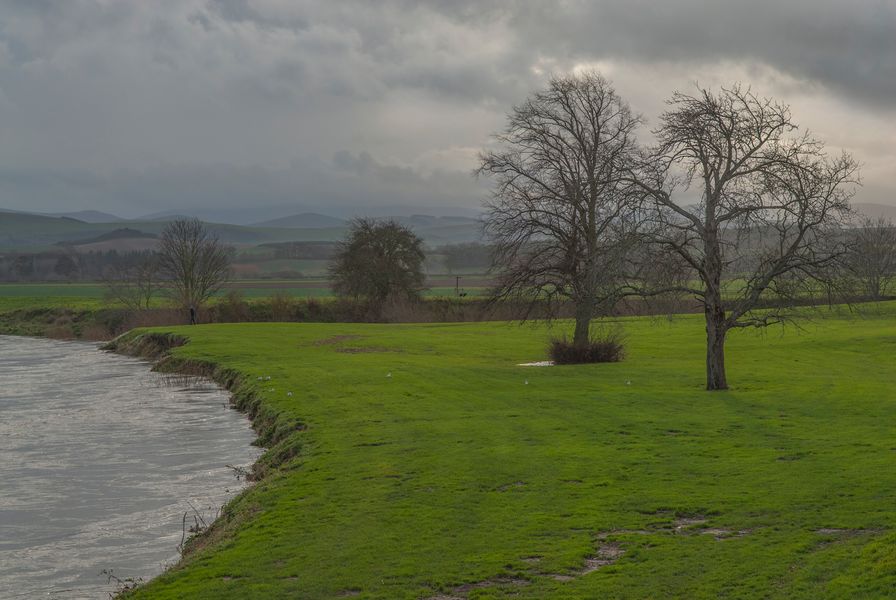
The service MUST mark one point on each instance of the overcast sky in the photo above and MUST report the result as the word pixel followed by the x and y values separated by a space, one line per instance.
pixel 134 107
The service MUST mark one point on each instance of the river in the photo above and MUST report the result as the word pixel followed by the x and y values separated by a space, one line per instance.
pixel 99 460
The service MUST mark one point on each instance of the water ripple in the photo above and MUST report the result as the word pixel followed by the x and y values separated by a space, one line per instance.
pixel 99 460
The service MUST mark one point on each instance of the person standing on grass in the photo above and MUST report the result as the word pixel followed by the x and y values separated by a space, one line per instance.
pixel 192 315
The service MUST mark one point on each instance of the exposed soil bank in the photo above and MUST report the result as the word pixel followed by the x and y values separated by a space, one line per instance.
pixel 273 430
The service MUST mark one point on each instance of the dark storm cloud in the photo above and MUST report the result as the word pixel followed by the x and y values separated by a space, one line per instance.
pixel 143 106
pixel 850 47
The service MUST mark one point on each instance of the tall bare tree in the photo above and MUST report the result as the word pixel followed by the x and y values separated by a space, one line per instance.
pixel 193 263
pixel 872 257
pixel 752 208
pixel 558 214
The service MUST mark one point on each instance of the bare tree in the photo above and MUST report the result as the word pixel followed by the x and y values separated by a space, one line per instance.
pixel 379 261
pixel 193 263
pixel 558 214
pixel 768 206
pixel 872 257
pixel 134 285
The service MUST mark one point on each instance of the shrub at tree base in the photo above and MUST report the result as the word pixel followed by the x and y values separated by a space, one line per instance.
pixel 599 349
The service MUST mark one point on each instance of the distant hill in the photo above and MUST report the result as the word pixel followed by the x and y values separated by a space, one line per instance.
pixel 427 221
pixel 115 234
pixel 30 232
pixel 304 221
pixel 89 216
pixel 23 230
pixel 164 217
pixel 875 211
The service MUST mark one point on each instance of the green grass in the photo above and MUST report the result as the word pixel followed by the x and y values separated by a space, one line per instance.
pixel 463 467
pixel 90 295
pixel 16 302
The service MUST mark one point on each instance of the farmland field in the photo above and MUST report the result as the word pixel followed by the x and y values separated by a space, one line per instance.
pixel 420 461
pixel 88 295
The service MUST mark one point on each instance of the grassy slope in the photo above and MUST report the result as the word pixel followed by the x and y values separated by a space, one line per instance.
pixel 454 470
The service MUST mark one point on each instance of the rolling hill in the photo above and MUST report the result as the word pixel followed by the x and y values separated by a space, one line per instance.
pixel 30 232
pixel 304 221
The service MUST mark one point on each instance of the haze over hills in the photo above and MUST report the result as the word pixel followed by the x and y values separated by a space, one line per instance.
pixel 303 220
pixel 258 215
pixel 875 211
pixel 31 231
pixel 89 216
pixel 26 231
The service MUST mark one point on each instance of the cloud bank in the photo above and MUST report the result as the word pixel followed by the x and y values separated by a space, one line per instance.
pixel 137 107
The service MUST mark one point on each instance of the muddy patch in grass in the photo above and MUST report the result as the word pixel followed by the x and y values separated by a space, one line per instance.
pixel 724 534
pixel 682 524
pixel 336 339
pixel 845 532
pixel 607 554
pixel 461 592
pixel 364 349
pixel 509 486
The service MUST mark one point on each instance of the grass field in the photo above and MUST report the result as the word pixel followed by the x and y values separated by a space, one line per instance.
pixel 90 295
pixel 432 466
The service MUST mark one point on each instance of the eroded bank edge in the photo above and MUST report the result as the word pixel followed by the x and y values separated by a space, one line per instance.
pixel 275 431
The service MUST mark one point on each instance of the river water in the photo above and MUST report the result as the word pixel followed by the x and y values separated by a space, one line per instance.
pixel 99 460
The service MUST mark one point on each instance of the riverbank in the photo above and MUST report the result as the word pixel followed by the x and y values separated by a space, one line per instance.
pixel 419 461
pixel 95 322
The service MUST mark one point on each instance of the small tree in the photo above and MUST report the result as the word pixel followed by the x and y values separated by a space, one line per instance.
pixel 193 263
pixel 872 256
pixel 136 284
pixel 379 261
pixel 23 266
pixel 559 217
pixel 768 213
pixel 66 267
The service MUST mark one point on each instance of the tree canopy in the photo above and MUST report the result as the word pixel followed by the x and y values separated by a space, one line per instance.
pixel 560 214
pixel 378 261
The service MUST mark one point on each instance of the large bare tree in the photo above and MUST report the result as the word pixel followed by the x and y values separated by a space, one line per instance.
pixel 751 207
pixel 558 217
pixel 872 257
pixel 193 263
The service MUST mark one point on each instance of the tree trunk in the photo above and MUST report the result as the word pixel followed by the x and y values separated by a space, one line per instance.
pixel 716 327
pixel 715 349
pixel 582 335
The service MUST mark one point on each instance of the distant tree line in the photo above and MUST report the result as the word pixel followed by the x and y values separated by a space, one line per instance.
pixel 471 255
pixel 298 250
pixel 64 265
